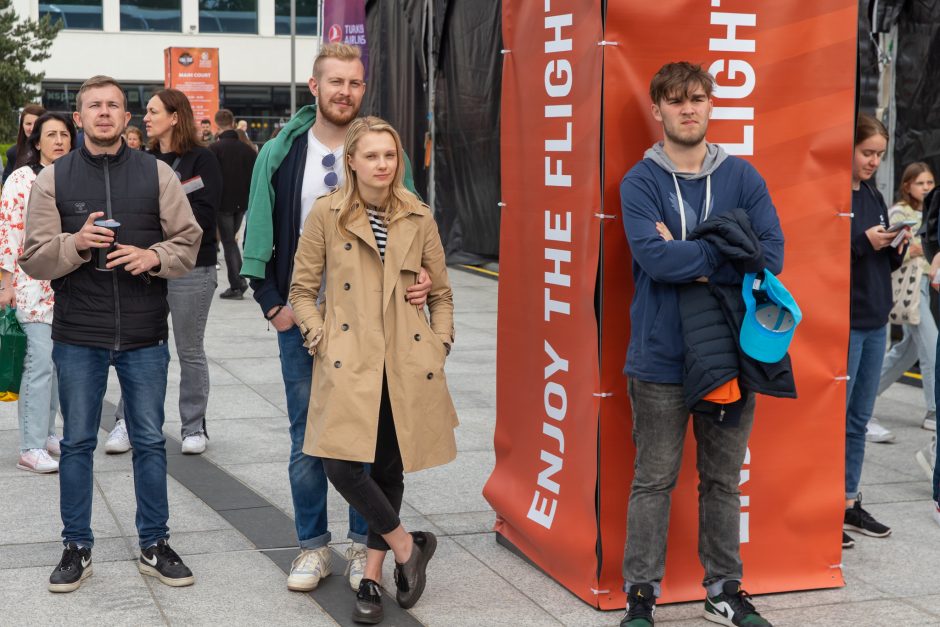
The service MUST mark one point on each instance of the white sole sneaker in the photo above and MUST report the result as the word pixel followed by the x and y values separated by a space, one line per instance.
pixel 924 463
pixel 153 572
pixel 71 587
pixel 39 471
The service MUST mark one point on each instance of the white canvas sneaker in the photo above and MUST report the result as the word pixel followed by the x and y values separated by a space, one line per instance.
pixel 37 460
pixel 52 445
pixel 309 568
pixel 876 433
pixel 194 444
pixel 927 457
pixel 355 564
pixel 118 441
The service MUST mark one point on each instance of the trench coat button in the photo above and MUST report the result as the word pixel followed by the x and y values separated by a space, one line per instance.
pixel 337 364
pixel 345 327
pixel 348 246
pixel 417 337
pixel 346 286
pixel 430 376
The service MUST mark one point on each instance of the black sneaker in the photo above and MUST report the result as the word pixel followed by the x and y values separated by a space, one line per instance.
pixel 857 519
pixel 368 603
pixel 411 577
pixel 847 541
pixel 231 294
pixel 641 603
pixel 162 562
pixel 733 607
pixel 73 569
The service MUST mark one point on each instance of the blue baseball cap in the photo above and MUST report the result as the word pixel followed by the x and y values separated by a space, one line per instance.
pixel 771 317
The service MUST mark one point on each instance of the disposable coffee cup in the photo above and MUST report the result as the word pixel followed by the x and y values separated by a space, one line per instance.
pixel 101 254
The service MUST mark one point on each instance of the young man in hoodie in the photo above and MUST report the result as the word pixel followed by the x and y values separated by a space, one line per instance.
pixel 681 182
pixel 304 162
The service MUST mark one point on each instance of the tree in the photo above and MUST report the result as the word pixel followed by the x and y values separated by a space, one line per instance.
pixel 21 42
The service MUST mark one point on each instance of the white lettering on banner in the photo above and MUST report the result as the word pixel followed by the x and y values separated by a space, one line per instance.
pixel 558 80
pixel 542 509
pixel 745 499
pixel 735 79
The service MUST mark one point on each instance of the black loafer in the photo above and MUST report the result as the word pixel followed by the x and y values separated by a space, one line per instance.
pixel 231 294
pixel 411 577
pixel 368 608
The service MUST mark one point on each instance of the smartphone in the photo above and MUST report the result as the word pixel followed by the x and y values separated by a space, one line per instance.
pixel 897 226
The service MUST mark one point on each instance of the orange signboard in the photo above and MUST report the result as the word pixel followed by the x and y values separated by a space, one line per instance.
pixel 195 72
pixel 564 455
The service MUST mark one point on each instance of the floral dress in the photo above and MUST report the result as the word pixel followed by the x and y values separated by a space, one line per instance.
pixel 34 298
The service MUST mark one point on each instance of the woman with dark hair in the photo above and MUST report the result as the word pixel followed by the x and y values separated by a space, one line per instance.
pixel 28 117
pixel 873 260
pixel 52 136
pixel 174 139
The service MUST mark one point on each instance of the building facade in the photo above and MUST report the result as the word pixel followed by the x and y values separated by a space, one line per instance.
pixel 126 38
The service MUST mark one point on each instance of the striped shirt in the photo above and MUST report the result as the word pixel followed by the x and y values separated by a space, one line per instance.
pixel 379 229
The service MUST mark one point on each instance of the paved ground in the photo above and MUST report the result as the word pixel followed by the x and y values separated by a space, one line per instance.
pixel 231 523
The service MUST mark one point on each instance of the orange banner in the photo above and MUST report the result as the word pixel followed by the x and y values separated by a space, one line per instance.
pixel 543 486
pixel 785 102
pixel 195 72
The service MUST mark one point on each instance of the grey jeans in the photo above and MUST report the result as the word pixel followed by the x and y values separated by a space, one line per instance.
pixel 660 420
pixel 39 395
pixel 189 298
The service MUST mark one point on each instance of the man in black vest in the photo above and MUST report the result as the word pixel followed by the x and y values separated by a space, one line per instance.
pixel 110 311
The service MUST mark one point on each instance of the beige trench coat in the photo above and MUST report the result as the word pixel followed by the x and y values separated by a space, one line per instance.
pixel 366 327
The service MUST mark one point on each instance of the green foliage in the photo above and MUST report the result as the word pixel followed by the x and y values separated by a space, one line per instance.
pixel 3 152
pixel 21 42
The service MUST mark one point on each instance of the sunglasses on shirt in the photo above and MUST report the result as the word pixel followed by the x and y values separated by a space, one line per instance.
pixel 330 179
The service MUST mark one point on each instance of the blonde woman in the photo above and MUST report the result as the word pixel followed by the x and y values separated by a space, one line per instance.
pixel 379 394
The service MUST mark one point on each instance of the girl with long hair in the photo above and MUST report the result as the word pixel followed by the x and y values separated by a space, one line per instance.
pixel 17 152
pixel 873 260
pixel 379 393
pixel 174 139
pixel 52 136
pixel 919 342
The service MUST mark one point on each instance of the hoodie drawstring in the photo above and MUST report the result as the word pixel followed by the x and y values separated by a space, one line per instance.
pixel 708 198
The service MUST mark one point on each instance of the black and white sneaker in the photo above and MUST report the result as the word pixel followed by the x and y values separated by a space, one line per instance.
pixel 733 607
pixel 162 562
pixel 857 519
pixel 847 541
pixel 641 605
pixel 73 569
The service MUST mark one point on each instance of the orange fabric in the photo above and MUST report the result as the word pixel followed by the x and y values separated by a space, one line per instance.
pixel 726 393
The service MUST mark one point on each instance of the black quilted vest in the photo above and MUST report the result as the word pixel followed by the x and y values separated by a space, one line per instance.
pixel 113 310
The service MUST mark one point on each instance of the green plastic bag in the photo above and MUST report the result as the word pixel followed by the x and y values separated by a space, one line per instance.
pixel 12 354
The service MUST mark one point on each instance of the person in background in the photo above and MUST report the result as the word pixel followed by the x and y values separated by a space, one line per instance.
pixel 918 344
pixel 237 161
pixel 206 126
pixel 134 138
pixel 174 140
pixel 242 126
pixel 243 138
pixel 379 399
pixel 53 136
pixel 873 261
pixel 28 117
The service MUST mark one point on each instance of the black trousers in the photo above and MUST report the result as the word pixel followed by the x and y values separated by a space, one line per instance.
pixel 228 224
pixel 377 495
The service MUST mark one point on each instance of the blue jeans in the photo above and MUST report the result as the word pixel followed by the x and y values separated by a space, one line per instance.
pixel 39 402
pixel 866 354
pixel 308 483
pixel 83 378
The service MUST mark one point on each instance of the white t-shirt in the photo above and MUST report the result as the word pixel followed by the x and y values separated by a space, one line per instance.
pixel 314 173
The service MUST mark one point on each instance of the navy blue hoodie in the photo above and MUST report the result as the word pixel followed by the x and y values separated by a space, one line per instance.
pixel 648 196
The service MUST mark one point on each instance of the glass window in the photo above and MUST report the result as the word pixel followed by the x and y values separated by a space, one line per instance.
pixel 151 15
pixel 76 14
pixel 306 12
pixel 228 16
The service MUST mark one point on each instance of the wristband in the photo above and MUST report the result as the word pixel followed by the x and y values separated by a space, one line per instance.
pixel 274 315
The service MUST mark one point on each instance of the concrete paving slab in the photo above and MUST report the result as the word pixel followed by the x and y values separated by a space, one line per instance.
pixel 237 588
pixel 464 478
pixel 254 370
pixel 115 594
pixel 230 402
pixel 222 347
pixel 247 440
pixel 464 523
pixel 879 612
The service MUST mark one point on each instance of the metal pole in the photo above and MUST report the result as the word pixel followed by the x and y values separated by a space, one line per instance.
pixel 293 59
pixel 431 86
